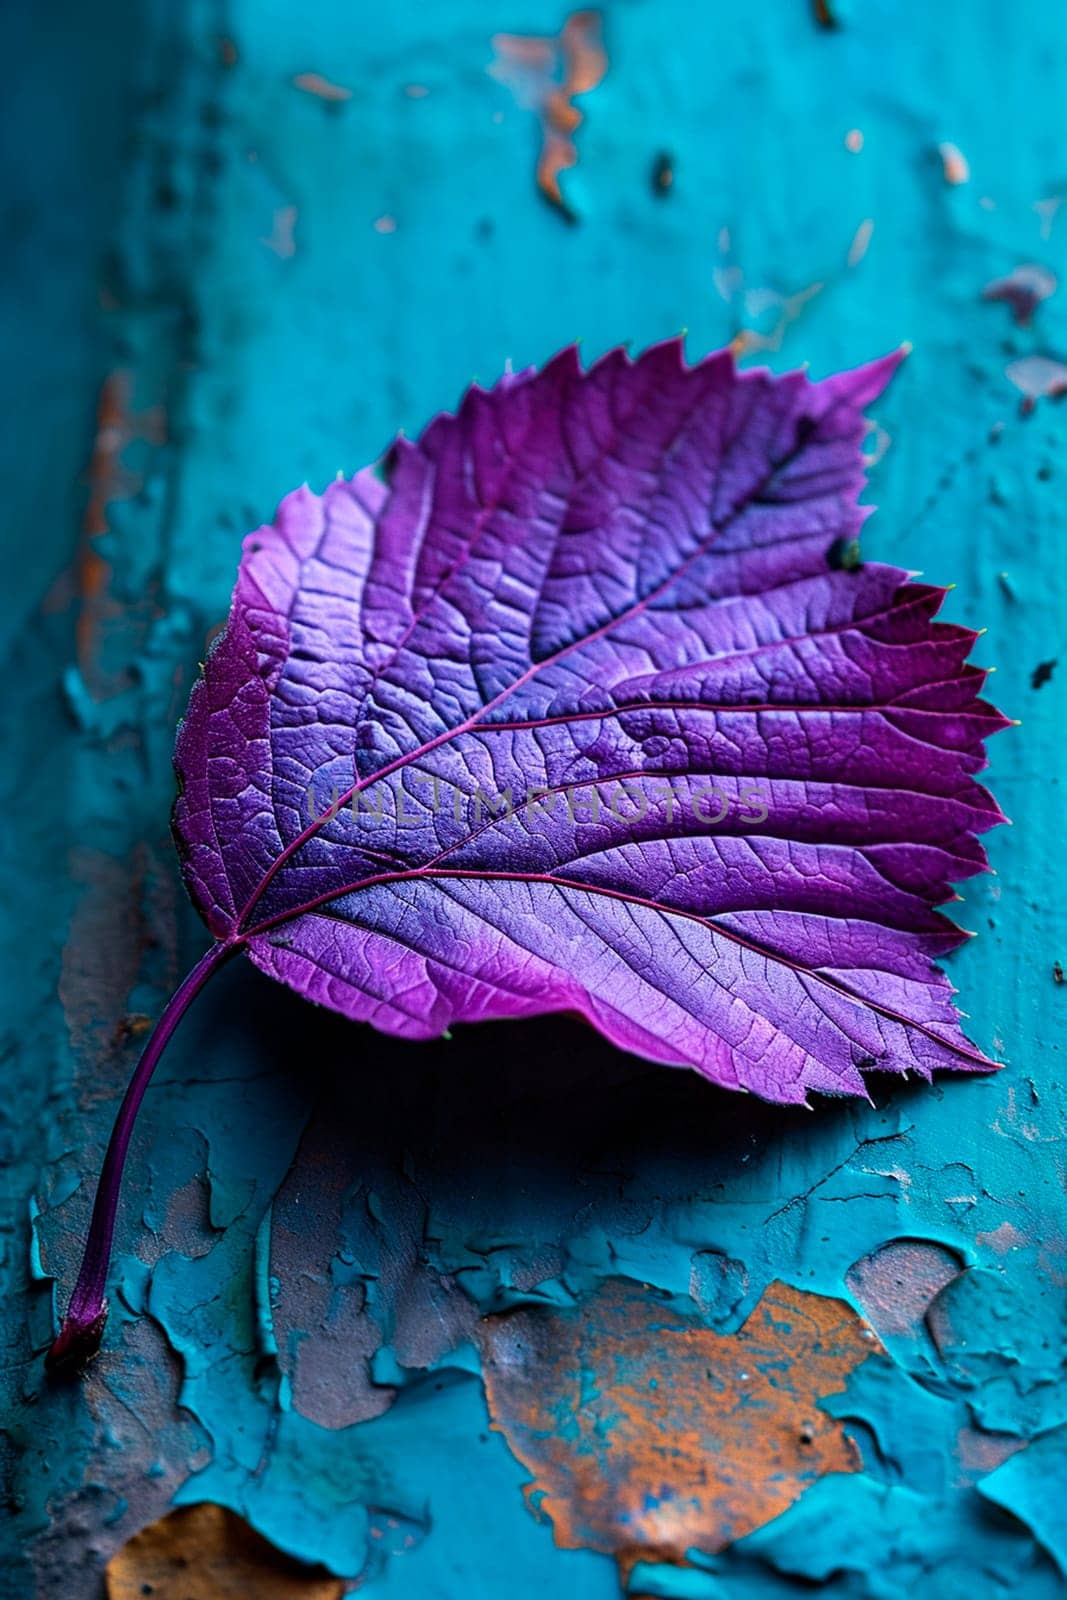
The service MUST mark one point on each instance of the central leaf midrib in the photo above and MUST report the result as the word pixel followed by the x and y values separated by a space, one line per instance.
pixel 645 903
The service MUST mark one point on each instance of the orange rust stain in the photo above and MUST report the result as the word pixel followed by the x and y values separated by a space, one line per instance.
pixel 207 1552
pixel 648 1434
pixel 116 426
pixel 547 74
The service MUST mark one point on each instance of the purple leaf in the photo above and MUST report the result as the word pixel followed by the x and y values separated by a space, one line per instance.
pixel 592 715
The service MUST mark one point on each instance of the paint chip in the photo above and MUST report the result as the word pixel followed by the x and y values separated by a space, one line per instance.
pixel 207 1552
pixel 1046 210
pixel 897 1283
pixel 1023 289
pixel 546 75
pixel 861 242
pixel 954 163
pixel 1037 377
pixel 281 238
pixel 1002 1240
pixel 314 83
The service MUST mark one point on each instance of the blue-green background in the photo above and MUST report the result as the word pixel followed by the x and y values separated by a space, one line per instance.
pixel 148 151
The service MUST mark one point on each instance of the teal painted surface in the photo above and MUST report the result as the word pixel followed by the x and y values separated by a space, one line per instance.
pixel 188 220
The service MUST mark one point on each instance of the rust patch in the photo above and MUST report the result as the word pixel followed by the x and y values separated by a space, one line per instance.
pixel 117 424
pixel 207 1552
pixel 649 1434
pixel 546 75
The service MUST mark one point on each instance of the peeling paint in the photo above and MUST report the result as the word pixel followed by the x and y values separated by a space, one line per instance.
pixel 648 1435
pixel 208 1553
pixel 548 74
pixel 1023 290
pixel 954 163
pixel 314 83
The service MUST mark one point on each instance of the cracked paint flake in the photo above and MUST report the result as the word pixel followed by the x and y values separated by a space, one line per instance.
pixel 348 1260
pixel 897 1283
pixel 281 239
pixel 1037 377
pixel 648 1434
pixel 1032 1485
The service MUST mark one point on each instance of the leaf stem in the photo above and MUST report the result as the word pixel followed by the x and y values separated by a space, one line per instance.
pixel 83 1326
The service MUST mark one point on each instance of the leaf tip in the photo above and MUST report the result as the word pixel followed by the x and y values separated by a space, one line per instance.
pixel 862 385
